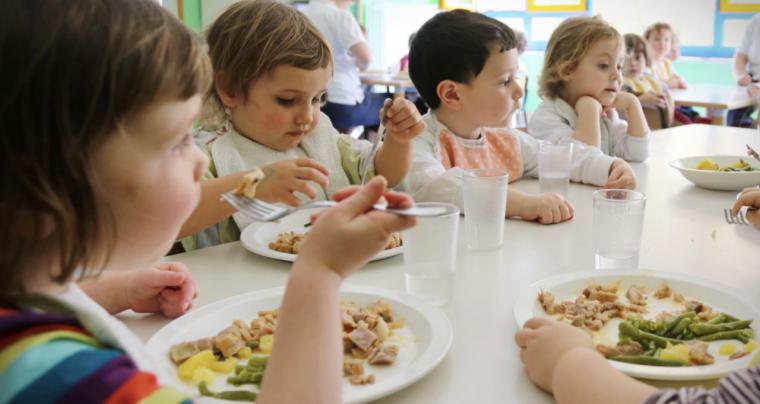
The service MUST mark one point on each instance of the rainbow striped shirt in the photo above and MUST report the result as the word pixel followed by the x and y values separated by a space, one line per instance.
pixel 48 357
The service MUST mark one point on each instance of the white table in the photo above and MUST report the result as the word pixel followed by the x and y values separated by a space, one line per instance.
pixel 400 82
pixel 717 99
pixel 684 232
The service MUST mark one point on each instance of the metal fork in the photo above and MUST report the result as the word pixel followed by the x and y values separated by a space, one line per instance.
pixel 364 166
pixel 262 211
pixel 739 218
pixel 752 153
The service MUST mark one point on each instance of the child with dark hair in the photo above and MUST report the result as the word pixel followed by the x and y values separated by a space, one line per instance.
pixel 464 65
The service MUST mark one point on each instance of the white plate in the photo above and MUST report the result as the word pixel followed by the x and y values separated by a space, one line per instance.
pixel 718 180
pixel 257 236
pixel 424 341
pixel 720 298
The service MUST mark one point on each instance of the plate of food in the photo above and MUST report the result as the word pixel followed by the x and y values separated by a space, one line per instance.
pixel 281 239
pixel 652 325
pixel 391 340
pixel 723 173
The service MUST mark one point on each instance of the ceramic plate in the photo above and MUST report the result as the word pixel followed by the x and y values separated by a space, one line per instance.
pixel 718 180
pixel 257 236
pixel 424 341
pixel 720 298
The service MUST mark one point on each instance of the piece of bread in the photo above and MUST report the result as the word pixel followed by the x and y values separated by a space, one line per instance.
pixel 247 186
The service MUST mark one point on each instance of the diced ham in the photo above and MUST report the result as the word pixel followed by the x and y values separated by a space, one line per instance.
pixel 353 367
pixel 362 338
pixel 384 355
pixel 663 292
pixel 360 380
pixel 180 352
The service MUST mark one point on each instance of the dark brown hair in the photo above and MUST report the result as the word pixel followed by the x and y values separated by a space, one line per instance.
pixel 250 39
pixel 635 45
pixel 72 72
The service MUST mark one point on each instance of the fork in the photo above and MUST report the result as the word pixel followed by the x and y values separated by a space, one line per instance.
pixel 739 218
pixel 364 166
pixel 752 153
pixel 262 211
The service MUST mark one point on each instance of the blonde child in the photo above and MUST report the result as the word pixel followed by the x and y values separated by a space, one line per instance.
pixel 99 98
pixel 659 36
pixel 470 83
pixel 561 360
pixel 580 85
pixel 271 71
pixel 652 93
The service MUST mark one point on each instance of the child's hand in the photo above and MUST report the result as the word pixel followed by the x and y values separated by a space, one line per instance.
pixel 167 288
pixel 754 91
pixel 285 178
pixel 547 208
pixel 542 343
pixel 589 106
pixel 624 100
pixel 621 176
pixel 403 121
pixel 744 80
pixel 749 197
pixel 652 100
pixel 348 235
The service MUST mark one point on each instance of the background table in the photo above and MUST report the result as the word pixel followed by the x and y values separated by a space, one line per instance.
pixel 379 78
pixel 717 99
pixel 684 232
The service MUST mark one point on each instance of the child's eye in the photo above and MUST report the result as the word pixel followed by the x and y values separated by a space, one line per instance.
pixel 507 82
pixel 604 66
pixel 286 101
pixel 321 100
pixel 186 141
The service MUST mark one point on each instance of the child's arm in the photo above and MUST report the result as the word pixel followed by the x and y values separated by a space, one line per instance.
pixel 282 180
pixel 544 208
pixel 637 123
pixel 587 127
pixel 306 365
pixel 403 124
pixel 561 359
pixel 168 288
pixel 740 69
pixel 676 81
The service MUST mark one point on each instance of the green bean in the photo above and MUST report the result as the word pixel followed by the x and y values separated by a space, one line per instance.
pixel 680 327
pixel 730 318
pixel 700 329
pixel 720 318
pixel 626 329
pixel 246 377
pixel 233 395
pixel 742 335
pixel 673 321
pixel 258 361
pixel 253 344
pixel 647 360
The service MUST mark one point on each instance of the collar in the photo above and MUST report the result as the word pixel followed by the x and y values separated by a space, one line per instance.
pixel 437 126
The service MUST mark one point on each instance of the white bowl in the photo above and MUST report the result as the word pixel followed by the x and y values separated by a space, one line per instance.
pixel 719 180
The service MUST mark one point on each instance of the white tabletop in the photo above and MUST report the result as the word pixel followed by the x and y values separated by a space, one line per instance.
pixel 683 232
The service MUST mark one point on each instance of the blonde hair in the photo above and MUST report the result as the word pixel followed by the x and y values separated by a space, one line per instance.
pixel 568 44
pixel 85 67
pixel 249 40
pixel 656 28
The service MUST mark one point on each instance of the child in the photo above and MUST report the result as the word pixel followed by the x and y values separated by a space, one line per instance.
pixel 659 36
pixel 99 99
pixel 271 69
pixel 469 82
pixel 580 85
pixel 561 360
pixel 652 93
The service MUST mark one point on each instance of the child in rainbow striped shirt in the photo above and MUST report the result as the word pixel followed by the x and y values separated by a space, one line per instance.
pixel 98 101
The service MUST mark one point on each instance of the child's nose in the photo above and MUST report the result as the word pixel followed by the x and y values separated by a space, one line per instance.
pixel 304 115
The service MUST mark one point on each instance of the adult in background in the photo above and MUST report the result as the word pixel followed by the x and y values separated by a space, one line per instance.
pixel 349 104
pixel 747 70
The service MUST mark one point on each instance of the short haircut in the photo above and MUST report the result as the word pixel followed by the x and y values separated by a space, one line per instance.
pixel 454 45
pixel 72 73
pixel 657 27
pixel 568 44
pixel 636 46
pixel 253 37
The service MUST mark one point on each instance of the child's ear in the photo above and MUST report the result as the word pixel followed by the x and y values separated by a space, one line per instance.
pixel 229 99
pixel 448 93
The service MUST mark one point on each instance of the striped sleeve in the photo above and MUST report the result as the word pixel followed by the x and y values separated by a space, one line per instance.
pixel 740 387
pixel 47 358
